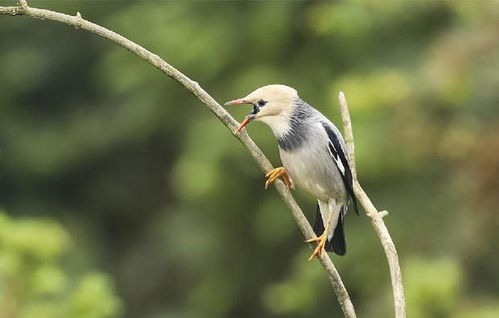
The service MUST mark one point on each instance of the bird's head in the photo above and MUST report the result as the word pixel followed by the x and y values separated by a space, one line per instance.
pixel 272 104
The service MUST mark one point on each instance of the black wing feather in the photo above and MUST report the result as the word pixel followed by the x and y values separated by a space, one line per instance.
pixel 338 153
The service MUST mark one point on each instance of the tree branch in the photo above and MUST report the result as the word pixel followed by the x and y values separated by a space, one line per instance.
pixel 262 161
pixel 375 216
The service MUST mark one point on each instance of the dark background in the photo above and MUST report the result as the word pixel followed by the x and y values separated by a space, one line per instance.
pixel 123 196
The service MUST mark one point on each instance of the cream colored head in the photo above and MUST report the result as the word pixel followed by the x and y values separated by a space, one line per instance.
pixel 272 104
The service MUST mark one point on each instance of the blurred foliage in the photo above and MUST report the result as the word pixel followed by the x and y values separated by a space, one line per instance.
pixel 156 193
pixel 35 280
pixel 432 287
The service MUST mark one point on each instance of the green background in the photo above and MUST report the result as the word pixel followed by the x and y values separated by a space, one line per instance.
pixel 123 196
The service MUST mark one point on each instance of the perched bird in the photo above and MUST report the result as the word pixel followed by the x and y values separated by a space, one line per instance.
pixel 313 156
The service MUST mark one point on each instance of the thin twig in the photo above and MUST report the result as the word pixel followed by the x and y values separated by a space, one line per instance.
pixel 264 164
pixel 348 135
pixel 375 216
pixel 383 213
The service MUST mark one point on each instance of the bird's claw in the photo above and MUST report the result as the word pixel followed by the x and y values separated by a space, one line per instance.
pixel 321 246
pixel 273 174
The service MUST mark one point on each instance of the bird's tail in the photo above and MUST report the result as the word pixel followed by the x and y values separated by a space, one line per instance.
pixel 337 243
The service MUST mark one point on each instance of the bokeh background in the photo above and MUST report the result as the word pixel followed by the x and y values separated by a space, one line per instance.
pixel 121 195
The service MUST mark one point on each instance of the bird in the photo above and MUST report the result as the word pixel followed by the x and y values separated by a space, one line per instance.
pixel 313 156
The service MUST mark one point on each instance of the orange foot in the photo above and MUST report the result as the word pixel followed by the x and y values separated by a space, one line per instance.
pixel 273 174
pixel 321 246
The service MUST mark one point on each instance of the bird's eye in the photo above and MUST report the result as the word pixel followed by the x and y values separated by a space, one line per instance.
pixel 262 102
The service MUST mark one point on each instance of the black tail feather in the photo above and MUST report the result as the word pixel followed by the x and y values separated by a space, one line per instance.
pixel 318 225
pixel 337 244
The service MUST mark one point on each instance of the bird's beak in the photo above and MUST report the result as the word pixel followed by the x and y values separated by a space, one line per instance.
pixel 249 118
pixel 245 122
pixel 239 101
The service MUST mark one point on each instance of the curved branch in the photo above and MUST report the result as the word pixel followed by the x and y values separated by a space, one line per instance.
pixel 153 59
pixel 375 216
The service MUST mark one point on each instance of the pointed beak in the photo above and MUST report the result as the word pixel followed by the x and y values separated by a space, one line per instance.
pixel 245 122
pixel 249 118
pixel 239 101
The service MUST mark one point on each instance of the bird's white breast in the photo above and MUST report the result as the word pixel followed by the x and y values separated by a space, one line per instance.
pixel 312 169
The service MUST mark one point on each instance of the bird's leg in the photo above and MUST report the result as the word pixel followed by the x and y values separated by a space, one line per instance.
pixel 273 174
pixel 322 240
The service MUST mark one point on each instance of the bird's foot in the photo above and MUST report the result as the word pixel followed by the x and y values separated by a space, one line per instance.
pixel 273 174
pixel 321 246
